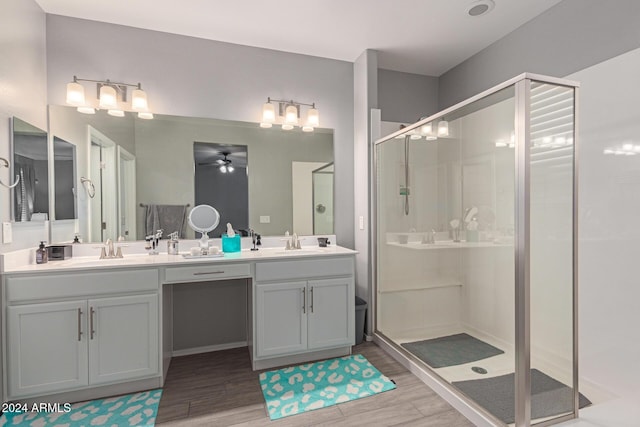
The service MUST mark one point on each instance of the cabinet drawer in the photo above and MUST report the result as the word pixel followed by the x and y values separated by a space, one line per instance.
pixel 304 269
pixel 27 288
pixel 207 272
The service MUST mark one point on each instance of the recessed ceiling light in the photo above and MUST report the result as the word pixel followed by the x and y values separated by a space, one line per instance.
pixel 480 7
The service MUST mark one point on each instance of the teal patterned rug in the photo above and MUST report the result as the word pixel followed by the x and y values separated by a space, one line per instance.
pixel 303 388
pixel 137 409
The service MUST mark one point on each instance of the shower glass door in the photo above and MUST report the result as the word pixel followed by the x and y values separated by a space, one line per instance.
pixel 475 250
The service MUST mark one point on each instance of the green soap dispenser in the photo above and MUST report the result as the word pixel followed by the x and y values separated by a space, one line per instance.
pixel 41 254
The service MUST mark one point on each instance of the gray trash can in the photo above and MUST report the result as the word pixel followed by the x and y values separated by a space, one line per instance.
pixel 361 311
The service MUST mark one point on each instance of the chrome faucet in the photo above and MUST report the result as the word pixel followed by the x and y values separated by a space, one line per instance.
pixel 293 243
pixel 108 250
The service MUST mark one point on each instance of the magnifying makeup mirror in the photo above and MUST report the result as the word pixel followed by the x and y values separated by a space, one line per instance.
pixel 203 219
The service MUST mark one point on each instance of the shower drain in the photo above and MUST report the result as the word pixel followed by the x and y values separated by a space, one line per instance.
pixel 479 370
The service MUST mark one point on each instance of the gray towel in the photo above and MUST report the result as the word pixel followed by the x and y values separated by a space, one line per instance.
pixel 168 218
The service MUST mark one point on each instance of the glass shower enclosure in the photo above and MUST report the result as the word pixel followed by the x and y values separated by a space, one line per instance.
pixel 475 249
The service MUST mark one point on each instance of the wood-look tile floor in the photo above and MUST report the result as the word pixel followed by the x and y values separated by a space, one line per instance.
pixel 220 389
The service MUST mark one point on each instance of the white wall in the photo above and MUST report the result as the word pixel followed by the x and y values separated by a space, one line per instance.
pixel 187 76
pixel 609 202
pixel 365 90
pixel 23 94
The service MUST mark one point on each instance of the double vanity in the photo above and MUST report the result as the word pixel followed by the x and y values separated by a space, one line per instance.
pixel 86 327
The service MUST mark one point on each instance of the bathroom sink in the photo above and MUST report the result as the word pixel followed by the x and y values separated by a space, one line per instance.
pixel 298 252
pixel 96 262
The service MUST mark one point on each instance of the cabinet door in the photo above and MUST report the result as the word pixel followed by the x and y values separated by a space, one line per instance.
pixel 46 348
pixel 123 338
pixel 281 319
pixel 331 313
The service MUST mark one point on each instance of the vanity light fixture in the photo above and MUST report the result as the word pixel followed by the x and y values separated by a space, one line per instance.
pixel 289 115
pixel 111 97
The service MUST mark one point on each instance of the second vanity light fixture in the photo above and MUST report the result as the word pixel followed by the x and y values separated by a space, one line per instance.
pixel 289 115
pixel 111 96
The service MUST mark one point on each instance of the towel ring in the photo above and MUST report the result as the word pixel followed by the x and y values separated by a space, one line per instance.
pixel 6 164
pixel 90 189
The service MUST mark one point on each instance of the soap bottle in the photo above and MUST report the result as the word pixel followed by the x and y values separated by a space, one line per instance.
pixel 41 254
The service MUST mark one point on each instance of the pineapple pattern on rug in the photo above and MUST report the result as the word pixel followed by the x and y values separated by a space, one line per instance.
pixel 303 388
pixel 138 409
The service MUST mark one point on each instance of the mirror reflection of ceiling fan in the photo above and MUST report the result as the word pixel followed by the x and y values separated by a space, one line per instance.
pixel 224 165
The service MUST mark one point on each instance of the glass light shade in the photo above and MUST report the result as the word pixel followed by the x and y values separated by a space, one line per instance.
pixel 86 110
pixel 286 126
pixel 146 115
pixel 108 98
pixel 139 100
pixel 313 117
pixel 426 129
pixel 223 169
pixel 75 94
pixel 230 168
pixel 115 113
pixel 291 115
pixel 268 114
pixel 265 125
pixel 415 136
pixel 307 128
pixel 431 137
pixel 443 128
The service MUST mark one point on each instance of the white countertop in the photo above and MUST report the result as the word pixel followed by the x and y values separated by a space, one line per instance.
pixel 163 259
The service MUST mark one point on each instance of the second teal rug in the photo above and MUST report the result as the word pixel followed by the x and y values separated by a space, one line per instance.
pixel 303 388
pixel 137 409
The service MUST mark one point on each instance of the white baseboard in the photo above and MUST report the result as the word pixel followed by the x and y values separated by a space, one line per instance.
pixel 208 348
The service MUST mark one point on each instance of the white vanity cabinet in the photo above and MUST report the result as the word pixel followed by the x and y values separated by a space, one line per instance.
pixel 302 306
pixel 101 328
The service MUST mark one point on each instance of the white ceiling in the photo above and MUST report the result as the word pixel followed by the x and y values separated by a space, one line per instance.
pixel 418 36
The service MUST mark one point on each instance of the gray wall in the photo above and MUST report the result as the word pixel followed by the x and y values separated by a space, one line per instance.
pixel 188 76
pixel 572 35
pixel 405 97
pixel 23 94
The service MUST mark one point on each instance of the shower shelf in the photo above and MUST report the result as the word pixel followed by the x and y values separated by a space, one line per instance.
pixel 421 286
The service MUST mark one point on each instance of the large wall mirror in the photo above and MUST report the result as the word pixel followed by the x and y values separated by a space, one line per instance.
pixel 31 164
pixel 132 171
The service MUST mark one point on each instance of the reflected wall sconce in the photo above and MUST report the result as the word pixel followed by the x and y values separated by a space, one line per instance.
pixel 289 115
pixel 111 97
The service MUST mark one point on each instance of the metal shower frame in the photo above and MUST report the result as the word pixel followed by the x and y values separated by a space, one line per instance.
pixel 522 85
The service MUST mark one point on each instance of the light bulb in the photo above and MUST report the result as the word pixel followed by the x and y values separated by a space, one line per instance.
pixel 431 137
pixel 223 169
pixel 86 110
pixel 108 99
pixel 115 113
pixel 313 118
pixel 230 168
pixel 443 128
pixel 268 114
pixel 146 115
pixel 307 128
pixel 139 100
pixel 75 94
pixel 291 115
pixel 265 125
pixel 286 126
pixel 427 129
pixel 415 136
